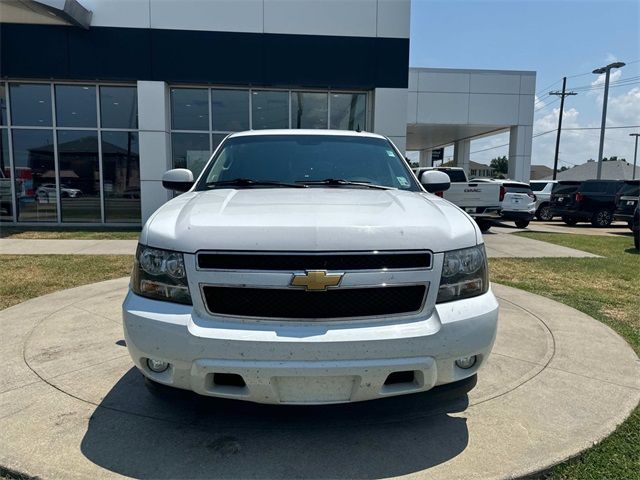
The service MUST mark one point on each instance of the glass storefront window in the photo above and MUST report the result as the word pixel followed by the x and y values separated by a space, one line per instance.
pixel 118 107
pixel 217 139
pixel 79 176
pixel 190 109
pixel 35 175
pixel 269 109
pixel 6 206
pixel 309 110
pixel 76 106
pixel 348 111
pixel 30 104
pixel 190 150
pixel 229 110
pixel 121 177
pixel 3 105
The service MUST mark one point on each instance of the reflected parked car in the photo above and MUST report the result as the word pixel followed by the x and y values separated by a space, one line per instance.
pixel 542 190
pixel 48 190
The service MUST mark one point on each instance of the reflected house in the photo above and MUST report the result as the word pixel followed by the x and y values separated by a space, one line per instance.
pixel 79 159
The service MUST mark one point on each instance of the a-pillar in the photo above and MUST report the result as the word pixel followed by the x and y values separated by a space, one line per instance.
pixel 520 138
pixel 462 154
pixel 425 158
pixel 155 151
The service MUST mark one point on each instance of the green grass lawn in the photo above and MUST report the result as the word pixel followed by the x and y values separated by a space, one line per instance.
pixel 66 233
pixel 607 289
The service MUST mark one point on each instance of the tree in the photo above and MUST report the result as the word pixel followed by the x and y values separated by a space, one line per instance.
pixel 500 165
pixel 614 158
pixel 563 168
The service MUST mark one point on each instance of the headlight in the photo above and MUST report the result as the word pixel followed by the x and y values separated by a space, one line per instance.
pixel 464 274
pixel 160 274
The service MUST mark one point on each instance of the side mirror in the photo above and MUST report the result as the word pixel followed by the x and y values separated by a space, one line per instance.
pixel 435 181
pixel 178 179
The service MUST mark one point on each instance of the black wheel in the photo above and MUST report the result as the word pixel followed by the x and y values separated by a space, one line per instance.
pixel 630 225
pixel 522 223
pixel 569 220
pixel 484 225
pixel 602 218
pixel 544 213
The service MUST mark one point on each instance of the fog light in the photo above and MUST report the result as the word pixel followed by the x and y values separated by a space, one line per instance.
pixel 466 362
pixel 157 366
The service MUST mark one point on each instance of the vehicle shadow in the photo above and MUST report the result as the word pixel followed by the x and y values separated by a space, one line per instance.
pixel 180 435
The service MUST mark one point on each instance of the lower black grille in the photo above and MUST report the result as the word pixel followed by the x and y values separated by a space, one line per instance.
pixel 292 303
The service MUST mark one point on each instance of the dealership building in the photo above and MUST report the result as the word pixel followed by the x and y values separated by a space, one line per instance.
pixel 100 97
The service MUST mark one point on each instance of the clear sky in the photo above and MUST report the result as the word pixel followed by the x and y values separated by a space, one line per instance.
pixel 555 38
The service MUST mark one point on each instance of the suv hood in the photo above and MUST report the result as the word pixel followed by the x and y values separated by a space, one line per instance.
pixel 312 219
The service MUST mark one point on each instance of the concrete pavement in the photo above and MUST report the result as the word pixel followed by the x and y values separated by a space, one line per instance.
pixel 72 405
pixel 615 229
pixel 498 245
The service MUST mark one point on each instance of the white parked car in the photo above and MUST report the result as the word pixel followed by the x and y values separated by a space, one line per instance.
pixel 542 190
pixel 518 202
pixel 309 267
pixel 47 191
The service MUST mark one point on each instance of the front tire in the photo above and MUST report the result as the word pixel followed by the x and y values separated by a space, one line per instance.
pixel 602 218
pixel 522 223
pixel 544 213
pixel 570 221
pixel 484 225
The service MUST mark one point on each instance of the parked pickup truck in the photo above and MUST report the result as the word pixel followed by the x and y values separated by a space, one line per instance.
pixel 309 267
pixel 481 200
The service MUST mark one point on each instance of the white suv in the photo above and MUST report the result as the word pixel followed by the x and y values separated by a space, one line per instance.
pixel 309 267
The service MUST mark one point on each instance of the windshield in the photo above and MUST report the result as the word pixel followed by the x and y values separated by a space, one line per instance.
pixel 291 159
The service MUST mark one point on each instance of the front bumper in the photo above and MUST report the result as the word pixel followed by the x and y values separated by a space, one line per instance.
pixel 310 362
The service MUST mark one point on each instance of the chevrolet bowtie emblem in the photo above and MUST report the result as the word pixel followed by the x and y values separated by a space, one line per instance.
pixel 317 280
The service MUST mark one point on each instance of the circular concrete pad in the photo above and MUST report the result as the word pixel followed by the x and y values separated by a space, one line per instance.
pixel 72 405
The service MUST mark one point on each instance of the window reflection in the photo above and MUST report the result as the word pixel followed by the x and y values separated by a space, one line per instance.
pixel 229 110
pixel 34 174
pixel 6 207
pixel 309 110
pixel 79 176
pixel 121 177
pixel 118 107
pixel 270 109
pixel 190 108
pixel 76 106
pixel 30 104
pixel 190 150
pixel 348 111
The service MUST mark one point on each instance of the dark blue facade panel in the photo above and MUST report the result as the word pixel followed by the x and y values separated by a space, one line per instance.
pixel 177 56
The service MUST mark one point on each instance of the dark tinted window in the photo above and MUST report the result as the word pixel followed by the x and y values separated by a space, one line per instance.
pixel 79 175
pixel 600 187
pixel 190 150
pixel 309 110
pixel 76 106
pixel 299 158
pixel 30 104
pixel 190 108
pixel 270 109
pixel 517 188
pixel 229 110
pixel 3 105
pixel 456 175
pixel 118 107
pixel 563 188
pixel 121 176
pixel 631 189
pixel 6 208
pixel 348 111
pixel 35 175
pixel 538 186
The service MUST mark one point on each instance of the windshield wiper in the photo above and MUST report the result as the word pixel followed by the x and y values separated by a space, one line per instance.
pixel 248 182
pixel 338 182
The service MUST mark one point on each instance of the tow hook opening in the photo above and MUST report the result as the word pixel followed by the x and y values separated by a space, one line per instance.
pixel 394 378
pixel 228 380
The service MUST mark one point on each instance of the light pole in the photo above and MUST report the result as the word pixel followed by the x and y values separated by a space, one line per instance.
pixel 635 154
pixel 607 71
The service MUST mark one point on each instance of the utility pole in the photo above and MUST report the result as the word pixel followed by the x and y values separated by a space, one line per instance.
pixel 607 71
pixel 635 154
pixel 562 94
